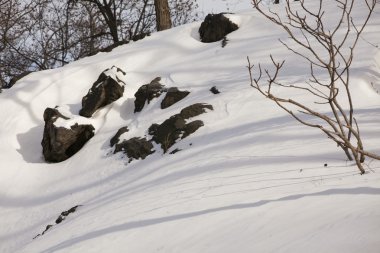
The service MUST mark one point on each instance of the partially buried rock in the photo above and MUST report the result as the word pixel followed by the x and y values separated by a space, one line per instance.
pixel 147 92
pixel 195 110
pixel 191 128
pixel 115 139
pixel 135 148
pixel 64 214
pixel 172 96
pixel 215 27
pixel 59 143
pixel 176 127
pixel 214 90
pixel 108 88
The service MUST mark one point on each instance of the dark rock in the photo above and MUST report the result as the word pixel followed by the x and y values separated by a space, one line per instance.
pixel 47 228
pixel 175 151
pixel 60 218
pixel 168 132
pixel 135 148
pixel 59 143
pixel 147 92
pixel 215 27
pixel 51 114
pixel 107 89
pixel 224 42
pixel 195 110
pixel 172 96
pixel 153 129
pixel 176 127
pixel 115 139
pixel 191 128
pixel 64 214
pixel 214 90
pixel 71 210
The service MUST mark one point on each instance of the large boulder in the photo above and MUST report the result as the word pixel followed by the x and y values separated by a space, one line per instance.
pixel 176 127
pixel 135 148
pixel 147 92
pixel 215 27
pixel 108 88
pixel 59 143
pixel 173 95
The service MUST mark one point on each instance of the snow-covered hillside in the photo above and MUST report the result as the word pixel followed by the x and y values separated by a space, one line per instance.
pixel 250 180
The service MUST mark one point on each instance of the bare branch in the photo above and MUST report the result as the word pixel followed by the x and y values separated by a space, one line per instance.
pixel 314 41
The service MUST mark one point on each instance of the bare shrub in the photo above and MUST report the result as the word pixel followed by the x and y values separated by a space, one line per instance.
pixel 329 51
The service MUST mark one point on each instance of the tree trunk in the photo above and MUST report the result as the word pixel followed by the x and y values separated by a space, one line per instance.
pixel 163 19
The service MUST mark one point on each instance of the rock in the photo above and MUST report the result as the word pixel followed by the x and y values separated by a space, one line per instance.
pixel 60 143
pixel 215 27
pixel 47 228
pixel 214 90
pixel 191 128
pixel 147 92
pixel 224 42
pixel 60 218
pixel 172 96
pixel 115 139
pixel 176 128
pixel 195 110
pixel 51 114
pixel 175 151
pixel 135 148
pixel 108 88
pixel 64 214
pixel 168 132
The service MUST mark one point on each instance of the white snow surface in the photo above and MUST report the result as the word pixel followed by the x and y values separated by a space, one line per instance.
pixel 251 180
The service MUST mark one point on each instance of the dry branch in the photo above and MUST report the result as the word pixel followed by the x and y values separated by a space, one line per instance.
pixel 323 49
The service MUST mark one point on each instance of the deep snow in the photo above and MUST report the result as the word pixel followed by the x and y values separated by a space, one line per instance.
pixel 250 180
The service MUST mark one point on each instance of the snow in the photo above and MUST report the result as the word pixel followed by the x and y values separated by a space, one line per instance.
pixel 216 6
pixel 250 180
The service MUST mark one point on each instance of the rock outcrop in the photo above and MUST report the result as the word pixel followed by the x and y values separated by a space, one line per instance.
pixel 147 92
pixel 173 95
pixel 108 88
pixel 116 138
pixel 176 127
pixel 60 143
pixel 215 27
pixel 135 148
pixel 195 110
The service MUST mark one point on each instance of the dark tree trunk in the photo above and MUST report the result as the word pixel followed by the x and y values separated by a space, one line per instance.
pixel 162 15
pixel 108 11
